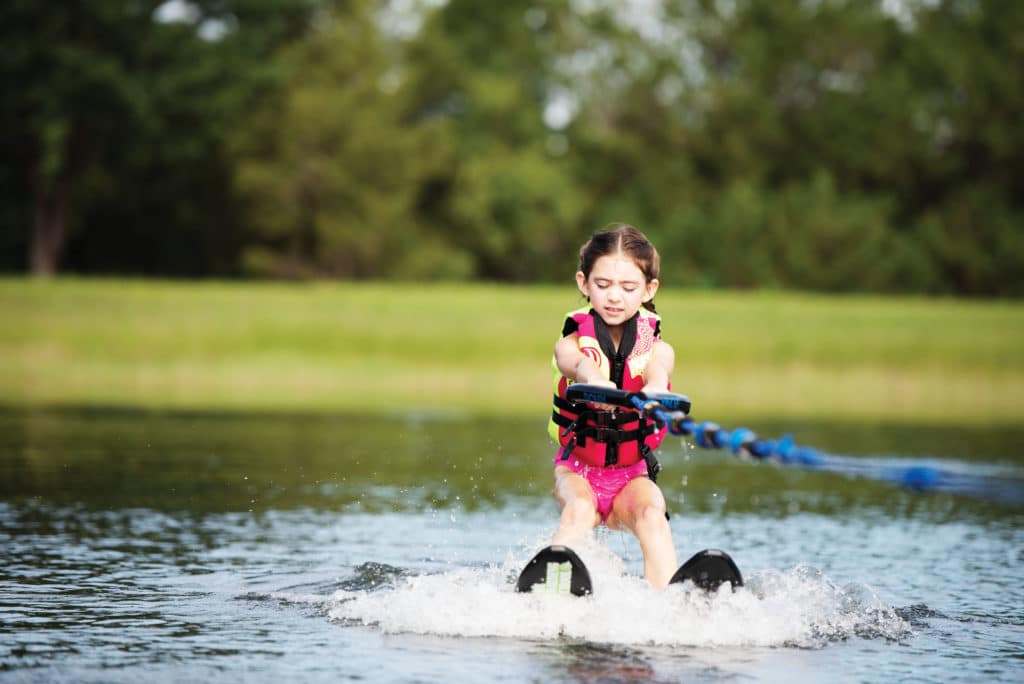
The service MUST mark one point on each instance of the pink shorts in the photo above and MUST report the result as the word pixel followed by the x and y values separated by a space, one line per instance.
pixel 606 483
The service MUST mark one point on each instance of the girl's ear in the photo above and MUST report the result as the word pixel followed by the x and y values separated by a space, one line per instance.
pixel 581 283
pixel 652 289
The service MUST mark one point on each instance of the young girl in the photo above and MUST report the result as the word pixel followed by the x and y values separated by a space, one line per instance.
pixel 605 467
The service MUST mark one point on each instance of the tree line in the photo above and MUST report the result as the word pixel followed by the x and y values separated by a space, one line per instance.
pixel 847 145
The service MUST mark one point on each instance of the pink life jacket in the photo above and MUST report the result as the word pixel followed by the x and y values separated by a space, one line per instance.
pixel 608 438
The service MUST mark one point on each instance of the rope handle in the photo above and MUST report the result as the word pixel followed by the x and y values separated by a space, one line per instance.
pixel 665 408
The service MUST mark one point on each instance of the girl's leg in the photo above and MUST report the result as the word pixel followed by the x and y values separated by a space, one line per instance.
pixel 578 504
pixel 640 508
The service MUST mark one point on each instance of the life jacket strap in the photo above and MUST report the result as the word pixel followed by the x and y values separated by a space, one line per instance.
pixel 653 467
pixel 604 427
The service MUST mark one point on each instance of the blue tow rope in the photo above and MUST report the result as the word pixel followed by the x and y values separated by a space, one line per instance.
pixel 745 442
pixel 672 410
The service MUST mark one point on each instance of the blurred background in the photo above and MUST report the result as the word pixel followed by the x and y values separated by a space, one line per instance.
pixel 861 146
pixel 361 204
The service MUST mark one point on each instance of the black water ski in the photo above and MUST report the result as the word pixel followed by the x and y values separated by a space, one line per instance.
pixel 709 569
pixel 556 570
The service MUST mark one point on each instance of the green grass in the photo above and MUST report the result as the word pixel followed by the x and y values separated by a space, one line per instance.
pixel 486 349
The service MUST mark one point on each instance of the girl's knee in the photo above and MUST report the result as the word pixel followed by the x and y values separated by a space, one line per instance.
pixel 651 516
pixel 579 512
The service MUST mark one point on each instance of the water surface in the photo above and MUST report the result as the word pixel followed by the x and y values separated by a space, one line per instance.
pixel 184 547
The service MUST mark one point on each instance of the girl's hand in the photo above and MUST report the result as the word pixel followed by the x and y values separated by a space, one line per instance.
pixel 653 388
pixel 601 382
pixel 609 384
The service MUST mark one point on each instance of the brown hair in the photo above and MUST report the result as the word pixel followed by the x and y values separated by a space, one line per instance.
pixel 621 238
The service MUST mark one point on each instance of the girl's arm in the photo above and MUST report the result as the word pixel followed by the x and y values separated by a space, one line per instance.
pixel 575 365
pixel 659 368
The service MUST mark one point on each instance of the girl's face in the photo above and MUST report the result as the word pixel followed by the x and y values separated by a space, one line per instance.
pixel 616 288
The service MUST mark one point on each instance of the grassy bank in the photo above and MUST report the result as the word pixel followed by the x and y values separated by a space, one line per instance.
pixel 484 348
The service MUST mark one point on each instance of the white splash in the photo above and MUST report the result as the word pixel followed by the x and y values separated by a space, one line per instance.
pixel 801 608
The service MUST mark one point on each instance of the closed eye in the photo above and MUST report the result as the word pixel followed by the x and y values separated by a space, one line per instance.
pixel 604 285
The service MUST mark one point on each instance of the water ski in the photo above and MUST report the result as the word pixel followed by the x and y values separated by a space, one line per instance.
pixel 555 570
pixel 709 569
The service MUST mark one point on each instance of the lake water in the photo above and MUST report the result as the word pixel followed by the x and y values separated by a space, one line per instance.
pixel 140 547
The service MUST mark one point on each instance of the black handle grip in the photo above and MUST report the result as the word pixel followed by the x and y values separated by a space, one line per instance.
pixel 596 394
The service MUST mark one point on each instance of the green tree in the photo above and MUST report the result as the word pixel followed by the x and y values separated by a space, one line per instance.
pixel 507 196
pixel 914 117
pixel 331 170
pixel 965 204
pixel 833 145
pixel 113 125
pixel 841 145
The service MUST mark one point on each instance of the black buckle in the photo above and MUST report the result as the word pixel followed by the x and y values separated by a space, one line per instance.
pixel 653 467
pixel 604 435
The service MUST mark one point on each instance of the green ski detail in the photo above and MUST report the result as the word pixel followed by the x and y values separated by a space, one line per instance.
pixel 559 578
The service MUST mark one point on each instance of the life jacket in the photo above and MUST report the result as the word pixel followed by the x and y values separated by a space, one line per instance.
pixel 608 438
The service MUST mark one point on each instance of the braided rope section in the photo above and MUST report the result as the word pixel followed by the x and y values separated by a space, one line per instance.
pixel 744 443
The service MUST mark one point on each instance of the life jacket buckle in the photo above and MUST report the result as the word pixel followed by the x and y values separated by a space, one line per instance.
pixel 653 467
pixel 603 435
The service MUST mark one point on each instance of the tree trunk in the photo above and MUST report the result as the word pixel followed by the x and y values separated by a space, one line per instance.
pixel 49 230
